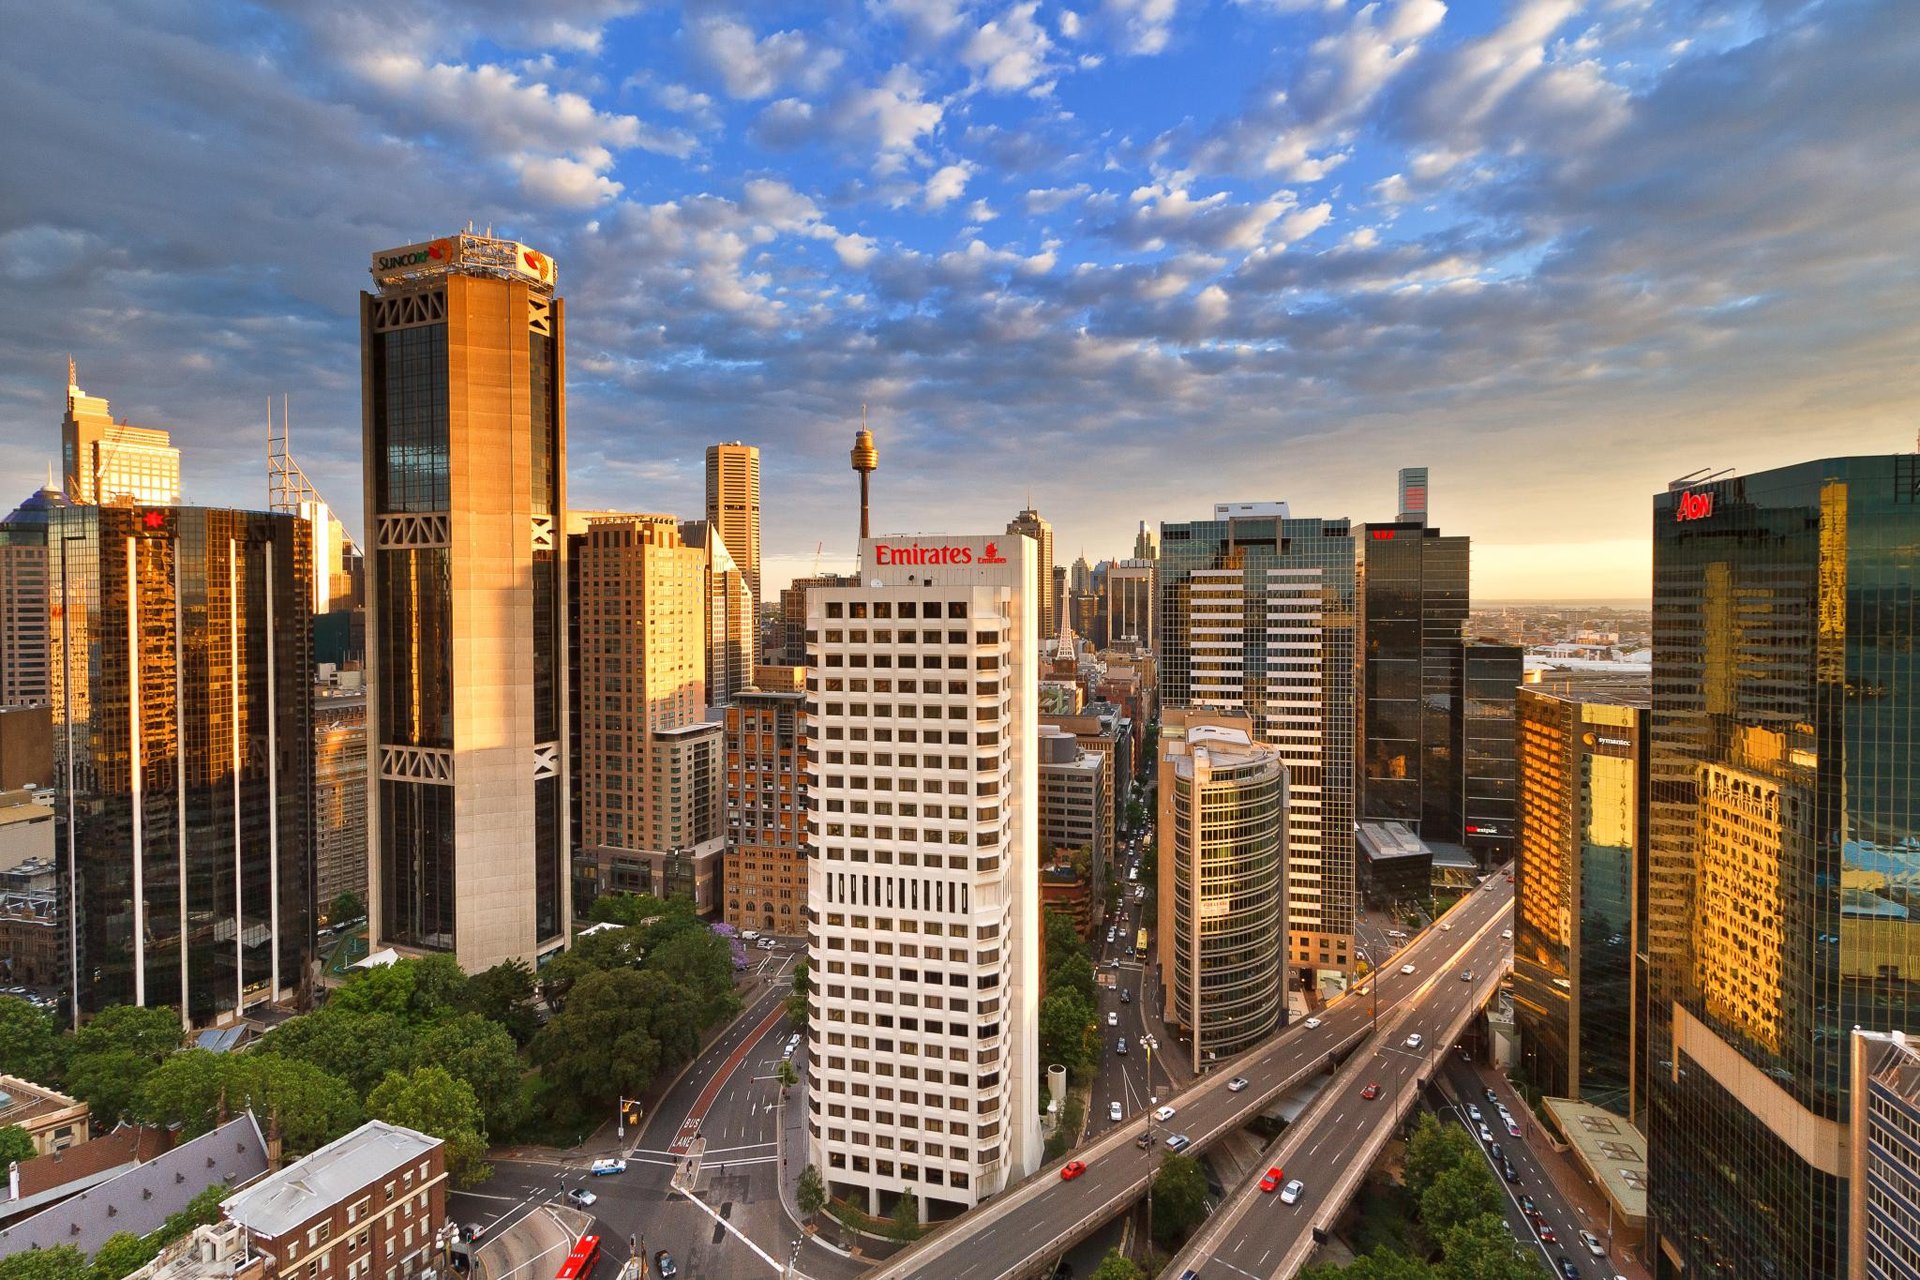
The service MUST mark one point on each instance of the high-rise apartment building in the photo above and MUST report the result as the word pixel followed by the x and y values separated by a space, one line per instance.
pixel 766 868
pixel 1257 615
pixel 1413 606
pixel 1035 526
pixel 1580 863
pixel 1129 600
pixel 1076 805
pixel 1883 1227
pixel 733 508
pixel 650 765
pixel 1784 820
pixel 462 352
pixel 339 796
pixel 26 601
pixel 732 617
pixel 183 757
pixel 922 892
pixel 1222 891
pixel 106 462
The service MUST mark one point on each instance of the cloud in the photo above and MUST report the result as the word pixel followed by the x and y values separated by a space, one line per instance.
pixel 1140 26
pixel 1162 214
pixel 929 20
pixel 947 184
pixel 889 118
pixel 1009 53
pixel 757 68
pixel 571 184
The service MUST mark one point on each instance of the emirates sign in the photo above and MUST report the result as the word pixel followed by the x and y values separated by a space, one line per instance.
pixel 1693 506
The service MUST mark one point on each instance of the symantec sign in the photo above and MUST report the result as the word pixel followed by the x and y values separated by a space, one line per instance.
pixel 936 553
pixel 1693 506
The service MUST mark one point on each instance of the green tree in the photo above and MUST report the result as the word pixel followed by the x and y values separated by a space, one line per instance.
pixel 1179 1199
pixel 1458 1195
pixel 185 1090
pixel 1061 939
pixel 811 1194
pixel 904 1223
pixel 345 907
pixel 15 1144
pixel 434 1102
pixel 594 953
pixel 349 1040
pixel 1117 1266
pixel 439 988
pixel 1075 975
pixel 30 1044
pixel 786 1074
pixel 700 961
pixel 632 908
pixel 62 1262
pixel 1484 1249
pixel 1432 1150
pixel 601 1045
pixel 385 988
pixel 203 1209
pixel 505 994
pixel 121 1253
pixel 113 1053
pixel 108 1082
pixel 797 1002
pixel 482 1054
pixel 1064 1021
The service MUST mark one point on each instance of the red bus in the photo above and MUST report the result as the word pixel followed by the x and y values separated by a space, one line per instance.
pixel 579 1263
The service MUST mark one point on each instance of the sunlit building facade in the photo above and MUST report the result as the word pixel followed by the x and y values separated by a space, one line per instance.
pixel 766 869
pixel 106 462
pixel 1781 910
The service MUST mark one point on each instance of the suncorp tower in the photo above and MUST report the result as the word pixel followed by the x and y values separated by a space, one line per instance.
pixel 464 417
pixel 922 891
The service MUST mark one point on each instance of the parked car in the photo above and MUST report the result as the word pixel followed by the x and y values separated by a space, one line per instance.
pixel 612 1164
pixel 1493 1097
pixel 1144 1141
pixel 1473 1113
pixel 1513 1130
pixel 1486 1134
pixel 1126 996
pixel 1506 933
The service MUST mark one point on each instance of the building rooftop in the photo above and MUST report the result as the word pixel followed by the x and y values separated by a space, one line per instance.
pixel 22 1100
pixel 1612 690
pixel 1613 1152
pixel 1379 840
pixel 276 1205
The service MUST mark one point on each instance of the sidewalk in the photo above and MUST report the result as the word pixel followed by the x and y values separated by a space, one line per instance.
pixel 1566 1174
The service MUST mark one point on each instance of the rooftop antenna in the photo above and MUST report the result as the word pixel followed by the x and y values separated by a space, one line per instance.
pixel 1704 475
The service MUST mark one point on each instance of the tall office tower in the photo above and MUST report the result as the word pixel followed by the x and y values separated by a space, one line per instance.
pixel 1884 1223
pixel 339 796
pixel 1031 523
pixel 1413 496
pixel 766 878
pixel 923 889
pixel 650 764
pixel 1222 892
pixel 1490 676
pixel 733 507
pixel 183 754
pixel 26 662
pixel 1081 580
pixel 1129 598
pixel 1146 546
pixel 1581 860
pixel 108 462
pixel 793 614
pixel 1781 848
pixel 732 618
pixel 1076 799
pixel 1413 606
pixel 462 357
pixel 1256 615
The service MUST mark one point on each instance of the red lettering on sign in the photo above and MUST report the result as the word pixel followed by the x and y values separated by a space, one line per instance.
pixel 1693 506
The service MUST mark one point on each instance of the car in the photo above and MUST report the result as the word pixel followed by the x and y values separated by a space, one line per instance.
pixel 1446 926
pixel 1513 1130
pixel 1109 933
pixel 1371 1092
pixel 1415 1040
pixel 1113 1111
pixel 1466 975
pixel 1494 1150
pixel 1593 1244
pixel 663 1265
pixel 1271 1182
pixel 1509 877
pixel 475 1230
pixel 1508 1172
pixel 612 1164
pixel 1126 996
pixel 581 1198
pixel 1292 1194
pixel 1144 1141
pixel 1406 968
pixel 748 935
pixel 1567 1268
pixel 1486 1134
pixel 1236 1084
pixel 1072 1169
pixel 1120 1046
pixel 1395 933
pixel 1493 1097
pixel 1546 1232
pixel 1163 1115
pixel 1313 1024
pixel 1526 1205
pixel 1179 1142
pixel 1507 934
pixel 1473 1113
pixel 766 944
pixel 1113 1018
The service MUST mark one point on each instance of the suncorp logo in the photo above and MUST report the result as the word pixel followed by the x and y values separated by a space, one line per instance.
pixel 414 257
pixel 1693 506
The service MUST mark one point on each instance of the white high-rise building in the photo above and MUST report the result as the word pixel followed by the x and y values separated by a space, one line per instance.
pixel 923 893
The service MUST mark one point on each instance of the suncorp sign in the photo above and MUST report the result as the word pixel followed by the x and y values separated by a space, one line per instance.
pixel 434 252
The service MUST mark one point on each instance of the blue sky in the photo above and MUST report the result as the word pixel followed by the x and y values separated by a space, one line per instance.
pixel 1120 258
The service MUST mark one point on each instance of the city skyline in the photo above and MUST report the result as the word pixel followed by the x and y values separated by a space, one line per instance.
pixel 1541 248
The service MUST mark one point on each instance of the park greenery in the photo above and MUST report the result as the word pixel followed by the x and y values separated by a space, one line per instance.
pixel 472 1059
pixel 1461 1232
pixel 1069 1012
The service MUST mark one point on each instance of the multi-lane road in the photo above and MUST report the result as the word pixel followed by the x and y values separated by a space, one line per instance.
pixel 1019 1231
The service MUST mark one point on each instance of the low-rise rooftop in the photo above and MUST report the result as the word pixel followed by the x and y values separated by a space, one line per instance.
pixel 314 1183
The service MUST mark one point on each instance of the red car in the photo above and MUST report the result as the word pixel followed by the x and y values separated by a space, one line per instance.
pixel 1072 1169
pixel 1371 1092
pixel 1272 1181
pixel 1546 1234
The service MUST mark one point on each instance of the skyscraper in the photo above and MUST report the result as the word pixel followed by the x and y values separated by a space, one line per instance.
pixel 733 507
pixel 1780 913
pixel 1413 496
pixel 1146 546
pixel 25 602
pixel 1031 523
pixel 649 764
pixel 464 412
pixel 732 618
pixel 1130 601
pixel 1490 676
pixel 183 756
pixel 1257 615
pixel 110 462
pixel 923 888
pixel 766 877
pixel 339 797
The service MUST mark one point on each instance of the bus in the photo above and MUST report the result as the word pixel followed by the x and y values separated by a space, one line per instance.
pixel 1140 944
pixel 579 1263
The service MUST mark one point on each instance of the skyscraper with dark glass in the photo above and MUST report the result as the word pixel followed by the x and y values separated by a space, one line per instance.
pixel 183 755
pixel 1784 848
pixel 464 420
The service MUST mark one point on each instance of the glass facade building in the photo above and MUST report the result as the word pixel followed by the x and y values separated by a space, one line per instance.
pixel 1580 859
pixel 1490 676
pixel 1783 851
pixel 1257 614
pixel 183 756
pixel 464 413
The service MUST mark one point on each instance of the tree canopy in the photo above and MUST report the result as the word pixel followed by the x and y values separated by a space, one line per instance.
pixel 1179 1199
pixel 433 1101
